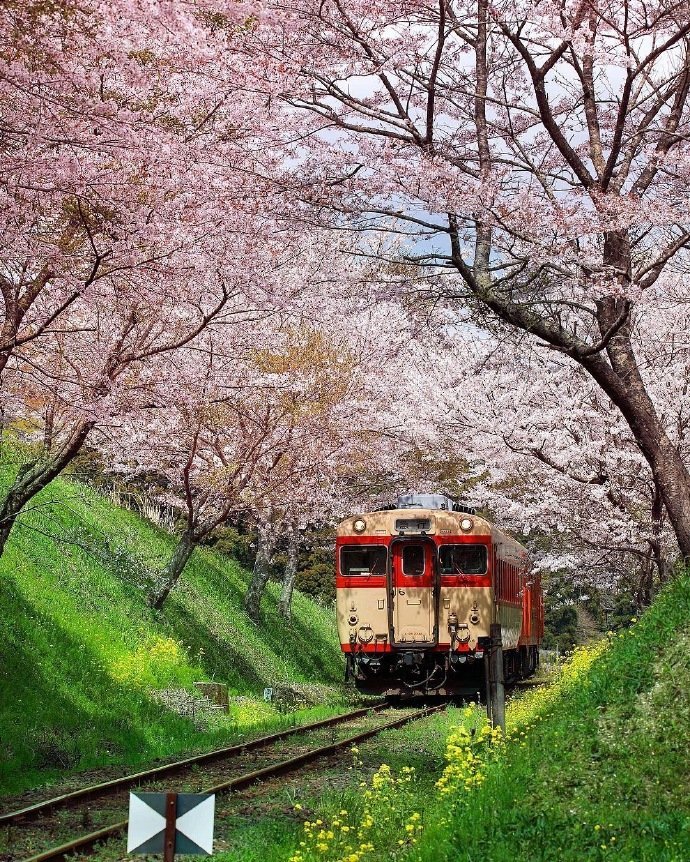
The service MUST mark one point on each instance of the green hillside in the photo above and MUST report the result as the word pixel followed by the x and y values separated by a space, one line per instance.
pixel 596 766
pixel 80 649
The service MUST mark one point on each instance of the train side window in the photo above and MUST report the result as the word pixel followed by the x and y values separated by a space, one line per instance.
pixel 462 559
pixel 413 560
pixel 360 561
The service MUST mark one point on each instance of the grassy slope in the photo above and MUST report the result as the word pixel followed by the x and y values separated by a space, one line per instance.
pixel 604 772
pixel 79 647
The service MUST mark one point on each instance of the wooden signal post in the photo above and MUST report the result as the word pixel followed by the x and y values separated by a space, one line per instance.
pixel 170 820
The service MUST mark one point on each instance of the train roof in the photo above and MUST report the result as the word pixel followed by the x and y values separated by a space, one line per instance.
pixel 408 521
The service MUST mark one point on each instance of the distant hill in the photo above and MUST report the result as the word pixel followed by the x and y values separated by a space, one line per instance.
pixel 81 651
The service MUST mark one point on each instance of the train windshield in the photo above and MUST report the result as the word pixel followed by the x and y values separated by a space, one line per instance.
pixel 462 559
pixel 413 560
pixel 361 561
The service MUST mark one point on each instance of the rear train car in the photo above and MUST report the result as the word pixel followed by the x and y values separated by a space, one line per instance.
pixel 418 587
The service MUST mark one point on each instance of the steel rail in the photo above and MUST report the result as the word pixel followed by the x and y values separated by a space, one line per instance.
pixel 106 787
pixel 88 842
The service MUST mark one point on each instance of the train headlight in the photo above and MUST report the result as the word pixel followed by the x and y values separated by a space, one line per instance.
pixel 360 525
pixel 466 524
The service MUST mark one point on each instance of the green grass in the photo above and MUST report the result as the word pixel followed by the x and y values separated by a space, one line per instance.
pixel 367 798
pixel 603 773
pixel 81 649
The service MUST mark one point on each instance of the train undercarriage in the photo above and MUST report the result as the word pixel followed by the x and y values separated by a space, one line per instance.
pixel 421 673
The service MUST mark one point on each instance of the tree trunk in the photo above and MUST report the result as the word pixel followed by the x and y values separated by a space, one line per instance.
pixel 285 603
pixel 174 569
pixel 35 476
pixel 669 472
pixel 49 428
pixel 620 378
pixel 262 567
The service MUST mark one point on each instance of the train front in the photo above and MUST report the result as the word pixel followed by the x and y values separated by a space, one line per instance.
pixel 414 597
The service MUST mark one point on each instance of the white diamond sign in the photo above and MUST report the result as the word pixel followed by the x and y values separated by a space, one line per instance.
pixel 193 815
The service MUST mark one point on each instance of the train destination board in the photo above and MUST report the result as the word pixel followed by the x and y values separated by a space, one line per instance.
pixel 412 525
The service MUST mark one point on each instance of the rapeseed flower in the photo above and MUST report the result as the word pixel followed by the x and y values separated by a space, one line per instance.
pixel 385 799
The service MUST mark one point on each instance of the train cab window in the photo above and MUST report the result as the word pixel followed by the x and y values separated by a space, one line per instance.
pixel 358 561
pixel 462 559
pixel 413 560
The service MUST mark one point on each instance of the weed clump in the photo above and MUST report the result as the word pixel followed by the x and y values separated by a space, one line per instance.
pixel 382 810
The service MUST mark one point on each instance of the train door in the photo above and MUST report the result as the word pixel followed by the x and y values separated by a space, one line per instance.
pixel 412 592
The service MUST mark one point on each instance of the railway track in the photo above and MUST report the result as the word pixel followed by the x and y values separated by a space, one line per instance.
pixel 28 830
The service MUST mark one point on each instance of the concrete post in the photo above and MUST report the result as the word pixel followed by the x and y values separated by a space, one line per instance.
pixel 497 694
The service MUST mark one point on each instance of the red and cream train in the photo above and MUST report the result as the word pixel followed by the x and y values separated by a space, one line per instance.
pixel 418 587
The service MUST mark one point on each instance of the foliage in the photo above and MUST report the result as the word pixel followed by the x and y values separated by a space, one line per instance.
pixel 561 601
pixel 560 628
pixel 238 542
pixel 316 573
pixel 317 580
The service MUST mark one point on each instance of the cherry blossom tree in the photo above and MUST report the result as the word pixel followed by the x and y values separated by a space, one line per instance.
pixel 111 256
pixel 552 459
pixel 535 154
pixel 263 416
pixel 94 180
pixel 228 465
pixel 565 473
pixel 86 378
